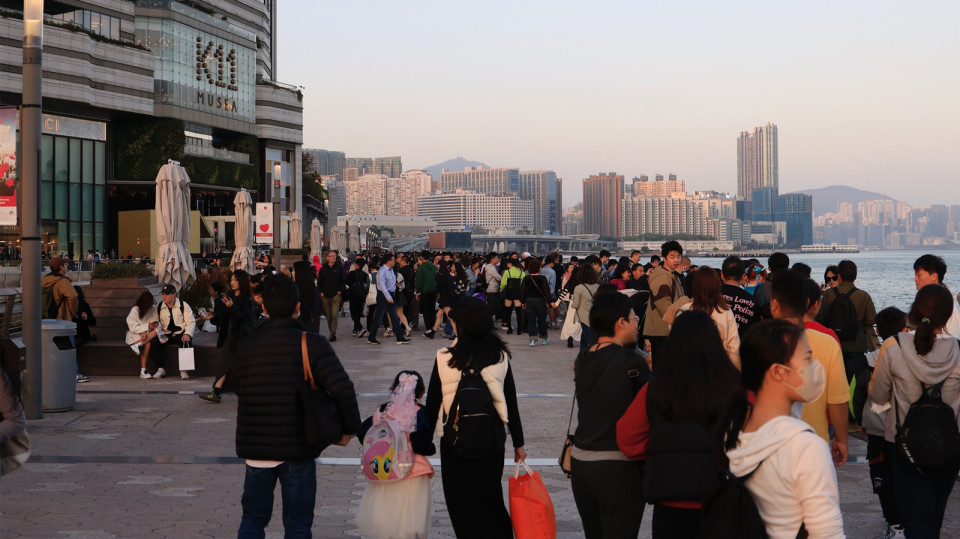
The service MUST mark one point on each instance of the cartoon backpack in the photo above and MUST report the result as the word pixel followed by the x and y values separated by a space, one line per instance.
pixel 387 455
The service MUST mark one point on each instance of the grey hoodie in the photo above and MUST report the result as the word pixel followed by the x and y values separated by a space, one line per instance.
pixel 901 371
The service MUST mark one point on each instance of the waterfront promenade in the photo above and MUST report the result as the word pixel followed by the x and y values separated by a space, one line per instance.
pixel 145 458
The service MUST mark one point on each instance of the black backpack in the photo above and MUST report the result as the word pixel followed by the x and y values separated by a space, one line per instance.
pixel 842 316
pixel 928 438
pixel 473 428
pixel 730 512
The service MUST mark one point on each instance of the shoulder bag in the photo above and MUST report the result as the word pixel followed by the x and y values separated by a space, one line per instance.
pixel 565 460
pixel 322 425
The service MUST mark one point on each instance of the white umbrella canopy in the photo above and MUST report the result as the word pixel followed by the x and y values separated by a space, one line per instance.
pixel 314 238
pixel 174 264
pixel 243 236
pixel 295 237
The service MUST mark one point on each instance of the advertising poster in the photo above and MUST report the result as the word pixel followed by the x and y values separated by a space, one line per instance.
pixel 264 227
pixel 8 166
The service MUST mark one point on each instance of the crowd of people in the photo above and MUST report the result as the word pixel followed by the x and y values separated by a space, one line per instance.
pixel 682 372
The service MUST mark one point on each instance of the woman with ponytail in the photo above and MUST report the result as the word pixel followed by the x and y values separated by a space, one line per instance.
pixel 784 464
pixel 906 365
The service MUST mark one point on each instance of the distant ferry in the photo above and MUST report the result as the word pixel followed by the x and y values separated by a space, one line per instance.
pixel 832 248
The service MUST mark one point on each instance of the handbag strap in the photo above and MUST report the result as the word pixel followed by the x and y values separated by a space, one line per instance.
pixel 570 422
pixel 307 373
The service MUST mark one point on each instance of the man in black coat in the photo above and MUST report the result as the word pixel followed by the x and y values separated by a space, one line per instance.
pixel 270 420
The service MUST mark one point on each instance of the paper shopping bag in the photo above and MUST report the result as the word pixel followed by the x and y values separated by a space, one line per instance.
pixel 186 359
pixel 531 508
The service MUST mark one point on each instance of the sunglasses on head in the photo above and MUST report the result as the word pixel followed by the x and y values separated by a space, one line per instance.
pixel 831 277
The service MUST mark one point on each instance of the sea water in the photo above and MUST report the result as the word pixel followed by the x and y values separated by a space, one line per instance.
pixel 886 275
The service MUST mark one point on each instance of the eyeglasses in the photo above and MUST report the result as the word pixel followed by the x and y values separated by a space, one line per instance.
pixel 831 277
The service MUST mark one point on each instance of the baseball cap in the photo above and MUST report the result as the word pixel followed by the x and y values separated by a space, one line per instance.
pixel 58 262
pixel 168 289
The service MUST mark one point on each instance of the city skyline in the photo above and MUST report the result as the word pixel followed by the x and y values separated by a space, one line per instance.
pixel 858 96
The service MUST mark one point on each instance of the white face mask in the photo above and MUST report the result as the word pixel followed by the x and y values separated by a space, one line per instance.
pixel 814 381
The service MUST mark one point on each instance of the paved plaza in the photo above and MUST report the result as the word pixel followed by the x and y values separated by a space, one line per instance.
pixel 147 458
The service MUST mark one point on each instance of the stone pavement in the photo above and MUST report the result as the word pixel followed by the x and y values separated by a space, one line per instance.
pixel 146 458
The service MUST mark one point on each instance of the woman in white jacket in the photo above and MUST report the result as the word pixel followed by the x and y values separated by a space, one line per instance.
pixel 142 324
pixel 788 468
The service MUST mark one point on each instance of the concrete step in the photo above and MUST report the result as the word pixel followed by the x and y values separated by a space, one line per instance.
pixel 117 359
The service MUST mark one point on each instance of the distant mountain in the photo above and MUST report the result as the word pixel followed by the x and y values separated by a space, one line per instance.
pixel 452 164
pixel 828 199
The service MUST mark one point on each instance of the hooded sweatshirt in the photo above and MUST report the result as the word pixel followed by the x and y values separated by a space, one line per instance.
pixel 900 372
pixel 795 482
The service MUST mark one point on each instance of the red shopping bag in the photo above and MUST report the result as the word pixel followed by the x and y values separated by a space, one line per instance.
pixel 531 508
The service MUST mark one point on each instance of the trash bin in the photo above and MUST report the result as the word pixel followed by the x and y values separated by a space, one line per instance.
pixel 59 365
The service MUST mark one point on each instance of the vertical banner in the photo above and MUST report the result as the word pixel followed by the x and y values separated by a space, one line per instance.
pixel 264 231
pixel 8 166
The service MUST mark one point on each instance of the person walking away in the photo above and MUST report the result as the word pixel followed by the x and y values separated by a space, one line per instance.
pixel 492 276
pixel 788 302
pixel 670 421
pixel 582 302
pixel 607 486
pixel 426 290
pixel 331 285
pixel 550 274
pixel 665 288
pixel 386 291
pixel 707 298
pixel 744 307
pixel 785 466
pixel 400 303
pixel 535 297
pixel 270 432
pixel 850 313
pixel 923 362
pixel 311 304
pixel 177 324
pixel 890 322
pixel 448 284
pixel 142 324
pixel 411 315
pixel 59 301
pixel 471 477
pixel 358 285
pixel 510 291
pixel 239 319
pixel 400 509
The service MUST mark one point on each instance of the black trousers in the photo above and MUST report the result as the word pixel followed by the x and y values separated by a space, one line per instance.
pixel 474 496
pixel 157 349
pixel 853 363
pixel 356 312
pixel 495 303
pixel 428 308
pixel 609 496
pixel 922 499
pixel 674 522
pixel 536 318
pixel 880 458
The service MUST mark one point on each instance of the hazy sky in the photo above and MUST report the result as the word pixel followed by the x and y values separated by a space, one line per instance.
pixel 864 93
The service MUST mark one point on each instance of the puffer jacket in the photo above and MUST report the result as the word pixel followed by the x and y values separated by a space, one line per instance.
pixel 266 374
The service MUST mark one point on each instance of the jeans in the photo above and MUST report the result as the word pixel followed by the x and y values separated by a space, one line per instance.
pixel 298 489
pixel 536 318
pixel 584 336
pixel 385 307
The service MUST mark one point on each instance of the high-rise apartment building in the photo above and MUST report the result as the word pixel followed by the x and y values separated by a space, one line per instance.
pixel 480 179
pixel 643 187
pixel 796 209
pixel 390 167
pixel 376 194
pixel 423 180
pixel 757 160
pixel 602 204
pixel 463 208
pixel 662 216
pixel 328 163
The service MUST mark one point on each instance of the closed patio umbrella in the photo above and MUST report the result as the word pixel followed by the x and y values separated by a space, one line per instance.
pixel 174 264
pixel 295 237
pixel 314 238
pixel 243 233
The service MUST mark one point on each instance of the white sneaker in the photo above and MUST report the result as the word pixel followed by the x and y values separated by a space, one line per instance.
pixel 388 333
pixel 136 349
pixel 144 375
pixel 184 376
pixel 160 373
